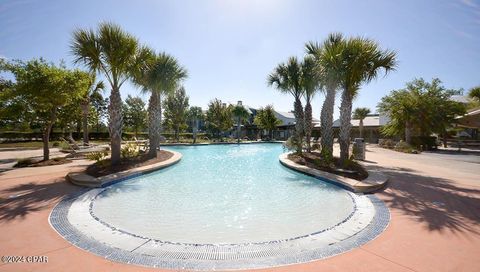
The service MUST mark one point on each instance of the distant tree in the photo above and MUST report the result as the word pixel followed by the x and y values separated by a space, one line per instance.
pixel 135 114
pixel 474 93
pixel 195 114
pixel 360 114
pixel 176 110
pixel 15 112
pixel 46 88
pixel 241 115
pixel 94 90
pixel 266 119
pixel 218 117
pixel 422 108
pixel 98 111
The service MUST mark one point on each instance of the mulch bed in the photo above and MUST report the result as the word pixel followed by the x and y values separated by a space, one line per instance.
pixel 103 168
pixel 314 160
pixel 39 163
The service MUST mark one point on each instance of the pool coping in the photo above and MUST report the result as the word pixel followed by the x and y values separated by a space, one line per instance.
pixel 83 179
pixel 375 180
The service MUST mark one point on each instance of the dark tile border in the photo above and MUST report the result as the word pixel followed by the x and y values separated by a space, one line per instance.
pixel 59 221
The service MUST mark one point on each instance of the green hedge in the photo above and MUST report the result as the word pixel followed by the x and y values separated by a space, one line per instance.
pixel 424 142
pixel 37 136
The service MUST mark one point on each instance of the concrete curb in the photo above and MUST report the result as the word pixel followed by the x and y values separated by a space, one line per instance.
pixel 83 179
pixel 375 180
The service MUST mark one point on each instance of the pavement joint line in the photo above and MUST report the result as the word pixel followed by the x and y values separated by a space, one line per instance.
pixel 387 259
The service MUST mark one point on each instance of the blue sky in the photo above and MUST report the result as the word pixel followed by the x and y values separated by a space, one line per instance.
pixel 229 47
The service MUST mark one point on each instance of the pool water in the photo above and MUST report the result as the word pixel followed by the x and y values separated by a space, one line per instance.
pixel 223 194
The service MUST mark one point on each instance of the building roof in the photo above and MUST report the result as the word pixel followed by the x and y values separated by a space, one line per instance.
pixel 471 119
pixel 288 118
pixel 373 120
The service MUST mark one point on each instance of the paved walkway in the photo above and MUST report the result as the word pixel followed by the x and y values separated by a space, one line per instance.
pixel 434 200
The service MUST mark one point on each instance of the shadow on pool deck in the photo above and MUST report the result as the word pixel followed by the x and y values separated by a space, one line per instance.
pixel 19 201
pixel 435 202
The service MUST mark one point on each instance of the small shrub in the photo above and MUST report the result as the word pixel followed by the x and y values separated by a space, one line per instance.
pixel 97 155
pixel 129 150
pixel 386 143
pixel 316 146
pixel 291 144
pixel 24 162
pixel 404 147
pixel 55 144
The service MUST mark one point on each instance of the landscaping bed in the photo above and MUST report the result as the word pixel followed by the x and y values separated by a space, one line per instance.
pixel 104 167
pixel 314 160
pixel 37 163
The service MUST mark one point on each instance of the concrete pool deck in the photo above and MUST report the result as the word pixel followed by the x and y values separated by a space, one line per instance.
pixel 434 201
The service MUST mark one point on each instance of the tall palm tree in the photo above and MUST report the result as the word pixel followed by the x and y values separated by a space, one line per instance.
pixel 360 114
pixel 159 75
pixel 286 78
pixel 328 58
pixel 240 114
pixel 112 52
pixel 94 89
pixel 309 84
pixel 362 61
pixel 195 114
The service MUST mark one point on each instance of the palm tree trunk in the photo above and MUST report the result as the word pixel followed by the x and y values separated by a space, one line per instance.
pixel 299 126
pixel 115 124
pixel 326 123
pixel 154 121
pixel 238 130
pixel 85 122
pixel 345 125
pixel 308 124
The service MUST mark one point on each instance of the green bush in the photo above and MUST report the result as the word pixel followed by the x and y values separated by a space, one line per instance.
pixel 387 143
pixel 129 150
pixel 404 147
pixel 97 155
pixel 24 162
pixel 424 142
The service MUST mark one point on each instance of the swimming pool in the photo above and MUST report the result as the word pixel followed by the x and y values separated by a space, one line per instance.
pixel 225 194
pixel 220 207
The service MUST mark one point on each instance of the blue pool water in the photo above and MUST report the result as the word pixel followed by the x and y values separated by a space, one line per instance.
pixel 223 194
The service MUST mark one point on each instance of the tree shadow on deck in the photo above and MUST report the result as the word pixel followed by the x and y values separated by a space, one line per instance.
pixel 438 203
pixel 21 200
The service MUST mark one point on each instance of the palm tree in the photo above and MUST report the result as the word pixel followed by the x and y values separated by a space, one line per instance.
pixel 286 78
pixel 362 60
pixel 195 114
pixel 360 114
pixel 112 52
pixel 159 75
pixel 240 114
pixel 328 57
pixel 94 89
pixel 309 84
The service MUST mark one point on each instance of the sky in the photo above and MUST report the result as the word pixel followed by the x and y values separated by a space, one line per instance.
pixel 230 46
